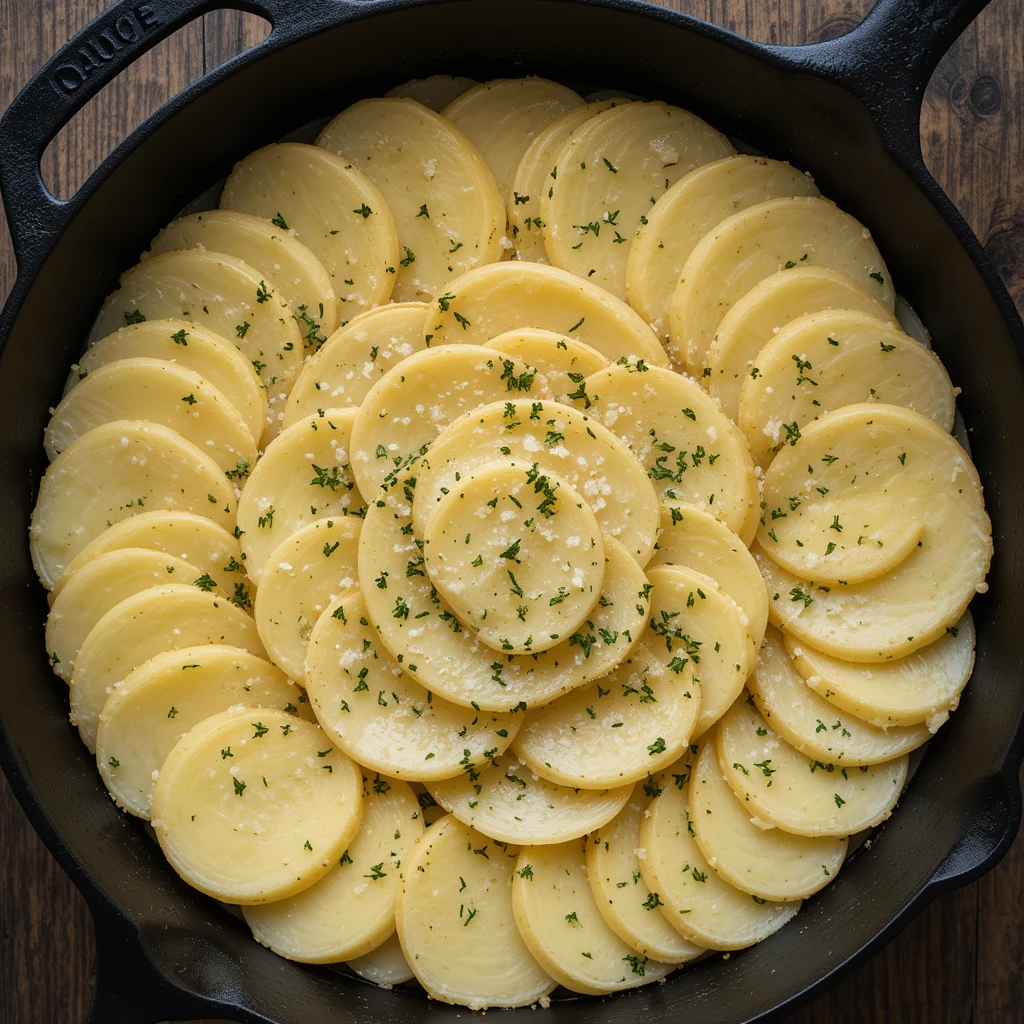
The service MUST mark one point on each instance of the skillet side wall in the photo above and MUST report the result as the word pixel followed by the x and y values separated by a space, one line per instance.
pixel 819 128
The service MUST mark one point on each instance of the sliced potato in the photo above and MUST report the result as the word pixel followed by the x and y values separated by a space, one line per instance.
pixel 332 208
pixel 688 211
pixel 381 716
pixel 162 699
pixel 559 361
pixel 351 910
pixel 455 921
pixel 112 473
pixel 611 171
pixel 385 966
pixel 751 245
pixel 502 117
pixel 436 91
pixel 250 807
pixel 448 211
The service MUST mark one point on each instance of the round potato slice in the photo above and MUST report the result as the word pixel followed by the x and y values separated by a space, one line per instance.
pixel 382 717
pixel 351 910
pixel 165 618
pixel 436 92
pixel 302 576
pixel 385 966
pixel 784 788
pixel 693 620
pixel 696 540
pixel 546 438
pixel 355 357
pixel 269 246
pixel 252 805
pixel 880 474
pixel 687 212
pixel 755 318
pixel 560 921
pixel 448 211
pixel 521 566
pixel 559 361
pixel 503 799
pixel 768 863
pixel 702 906
pixel 911 322
pixel 611 171
pixel 690 450
pixel 160 392
pixel 628 907
pixel 413 403
pixel 502 117
pixel 112 473
pixel 757 242
pixel 427 639
pixel 106 581
pixel 195 348
pixel 815 727
pixel 455 921
pixel 304 475
pixel 823 361
pixel 621 728
pixel 501 297
pixel 162 699
pixel 923 687
pixel 330 207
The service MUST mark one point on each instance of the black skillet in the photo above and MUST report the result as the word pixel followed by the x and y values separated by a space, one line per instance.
pixel 847 110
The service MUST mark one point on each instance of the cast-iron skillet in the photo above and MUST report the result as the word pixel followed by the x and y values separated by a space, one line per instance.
pixel 847 110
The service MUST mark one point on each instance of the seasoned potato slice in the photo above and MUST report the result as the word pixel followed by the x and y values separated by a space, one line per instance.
pixel 757 242
pixel 559 361
pixel 436 92
pixel 688 211
pixel 385 966
pixel 116 471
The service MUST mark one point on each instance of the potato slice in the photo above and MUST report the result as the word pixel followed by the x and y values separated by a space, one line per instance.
pixel 385 966
pixel 536 175
pixel 691 451
pixel 923 687
pixel 355 357
pixel 304 475
pixel 693 620
pixel 491 300
pixel 750 245
pixel 688 211
pixel 756 317
pixel 158 619
pixel 351 910
pixel 621 728
pixel 696 540
pixel 455 921
pixel 432 810
pixel 194 347
pixel 628 907
pixel 427 639
pixel 271 248
pixel 381 716
pixel 502 117
pixel 702 906
pixel 448 211
pixel 879 473
pixel 332 208
pixel 812 725
pixel 559 361
pixel 436 92
pixel 160 392
pixel 252 805
pixel 303 575
pixel 785 788
pixel 555 439
pixel 610 173
pixel 823 361
pixel 767 863
pixel 560 921
pixel 413 403
pixel 503 799
pixel 162 699
pixel 521 567
pixel 908 319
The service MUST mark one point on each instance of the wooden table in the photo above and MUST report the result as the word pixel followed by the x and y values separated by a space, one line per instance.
pixel 960 962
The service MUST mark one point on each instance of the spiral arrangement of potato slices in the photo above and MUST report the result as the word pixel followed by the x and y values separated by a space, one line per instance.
pixel 507 623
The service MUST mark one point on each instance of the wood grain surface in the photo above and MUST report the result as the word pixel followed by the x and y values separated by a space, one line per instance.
pixel 960 961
